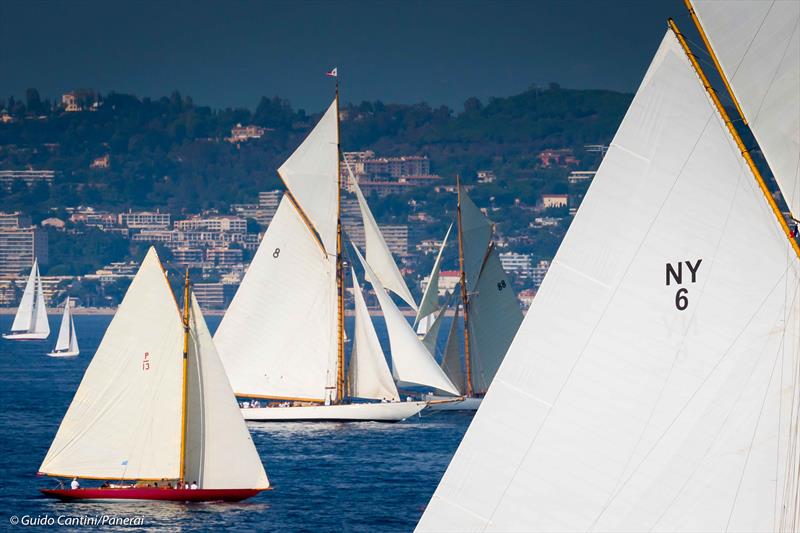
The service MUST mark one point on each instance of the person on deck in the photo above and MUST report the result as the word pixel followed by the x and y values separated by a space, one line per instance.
pixel 194 485
pixel 75 485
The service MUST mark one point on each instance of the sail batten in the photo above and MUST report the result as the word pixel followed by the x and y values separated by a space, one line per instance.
pixel 651 385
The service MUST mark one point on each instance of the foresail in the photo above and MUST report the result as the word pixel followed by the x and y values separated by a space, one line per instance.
pixel 312 176
pixel 430 299
pixel 220 453
pixel 758 46
pixel 73 336
pixel 411 362
pixel 494 318
pixel 63 340
pixel 24 318
pixel 369 374
pixel 125 419
pixel 378 255
pixel 451 361
pixel 651 386
pixel 476 233
pixel 40 322
pixel 278 338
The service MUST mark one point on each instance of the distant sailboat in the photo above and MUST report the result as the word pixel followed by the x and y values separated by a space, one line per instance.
pixel 490 310
pixel 67 342
pixel 155 409
pixel 653 385
pixel 282 338
pixel 30 322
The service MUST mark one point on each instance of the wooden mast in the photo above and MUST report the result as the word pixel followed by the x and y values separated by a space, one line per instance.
pixel 339 263
pixel 464 293
pixel 714 58
pixel 185 371
pixel 735 134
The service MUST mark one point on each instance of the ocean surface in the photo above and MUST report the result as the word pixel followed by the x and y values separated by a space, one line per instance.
pixel 359 477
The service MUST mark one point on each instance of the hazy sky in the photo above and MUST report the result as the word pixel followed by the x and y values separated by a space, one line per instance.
pixel 231 53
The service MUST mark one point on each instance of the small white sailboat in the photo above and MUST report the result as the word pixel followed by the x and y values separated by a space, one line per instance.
pixel 67 342
pixel 490 311
pixel 653 385
pixel 30 322
pixel 155 411
pixel 282 338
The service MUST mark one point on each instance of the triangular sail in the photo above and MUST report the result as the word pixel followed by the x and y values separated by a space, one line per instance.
pixel 430 299
pixel 73 336
pixel 758 46
pixel 125 419
pixel 475 235
pixel 652 385
pixel 40 323
pixel 219 451
pixel 451 361
pixel 494 318
pixel 369 375
pixel 378 255
pixel 278 338
pixel 311 175
pixel 24 318
pixel 411 362
pixel 65 330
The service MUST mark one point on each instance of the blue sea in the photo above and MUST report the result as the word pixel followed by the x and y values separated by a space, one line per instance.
pixel 359 477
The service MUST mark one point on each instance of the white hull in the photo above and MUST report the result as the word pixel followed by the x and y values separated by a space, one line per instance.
pixel 26 336
pixel 354 412
pixel 441 403
pixel 63 354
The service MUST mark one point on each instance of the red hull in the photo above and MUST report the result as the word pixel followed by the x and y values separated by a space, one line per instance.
pixel 145 493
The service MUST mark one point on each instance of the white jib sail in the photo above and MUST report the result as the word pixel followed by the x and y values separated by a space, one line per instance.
pixel 312 176
pixel 73 336
pixel 40 323
pixel 63 340
pixel 369 373
pixel 758 46
pixel 125 419
pixel 411 362
pixel 24 318
pixel 475 235
pixel 494 318
pixel 652 385
pixel 378 255
pixel 220 453
pixel 451 361
pixel 430 298
pixel 278 337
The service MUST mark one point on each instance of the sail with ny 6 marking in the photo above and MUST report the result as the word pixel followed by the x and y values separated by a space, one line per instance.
pixel 757 44
pixel 653 384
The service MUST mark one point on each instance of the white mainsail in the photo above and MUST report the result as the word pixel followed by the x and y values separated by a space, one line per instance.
pixel 125 419
pixel 278 336
pixel 369 374
pixel 652 385
pixel 430 298
pixel 494 318
pixel 67 340
pixel 378 255
pixel 758 46
pixel 220 453
pixel 31 315
pixel 411 362
pixel 312 176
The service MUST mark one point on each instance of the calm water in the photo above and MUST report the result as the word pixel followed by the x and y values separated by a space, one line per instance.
pixel 327 477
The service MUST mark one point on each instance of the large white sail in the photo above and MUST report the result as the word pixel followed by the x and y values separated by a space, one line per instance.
pixel 652 385
pixel 758 46
pixel 378 255
pixel 220 453
pixel 430 298
pixel 278 338
pixel 24 318
pixel 369 374
pixel 125 419
pixel 312 176
pixel 411 362
pixel 494 318
pixel 64 331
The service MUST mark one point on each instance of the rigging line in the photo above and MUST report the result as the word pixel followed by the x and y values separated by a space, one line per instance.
pixel 602 316
pixel 791 450
pixel 774 74
pixel 750 44
pixel 695 309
